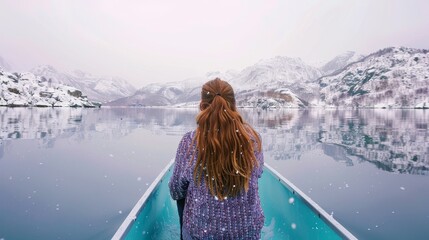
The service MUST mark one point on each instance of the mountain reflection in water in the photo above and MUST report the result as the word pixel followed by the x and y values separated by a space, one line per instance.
pixel 393 140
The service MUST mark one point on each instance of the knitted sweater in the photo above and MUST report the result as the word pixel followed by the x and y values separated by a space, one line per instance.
pixel 205 216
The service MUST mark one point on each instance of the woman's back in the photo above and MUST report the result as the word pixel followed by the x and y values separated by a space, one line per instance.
pixel 217 170
pixel 208 217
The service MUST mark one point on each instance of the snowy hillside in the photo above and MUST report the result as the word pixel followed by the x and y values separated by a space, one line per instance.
pixel 101 89
pixel 390 78
pixel 26 89
pixel 270 98
pixel 340 61
pixel 277 82
pixel 272 83
pixel 276 72
pixel 163 94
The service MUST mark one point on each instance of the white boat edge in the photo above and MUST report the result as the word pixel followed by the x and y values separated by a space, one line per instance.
pixel 137 208
pixel 322 213
pixel 312 204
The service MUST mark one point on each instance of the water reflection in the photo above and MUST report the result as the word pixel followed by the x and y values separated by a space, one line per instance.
pixel 393 140
pixel 48 124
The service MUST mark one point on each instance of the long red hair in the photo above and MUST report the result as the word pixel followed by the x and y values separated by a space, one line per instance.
pixel 225 143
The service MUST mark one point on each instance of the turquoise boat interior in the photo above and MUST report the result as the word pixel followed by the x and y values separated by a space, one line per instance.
pixel 289 213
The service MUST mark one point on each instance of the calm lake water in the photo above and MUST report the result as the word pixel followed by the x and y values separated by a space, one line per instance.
pixel 76 173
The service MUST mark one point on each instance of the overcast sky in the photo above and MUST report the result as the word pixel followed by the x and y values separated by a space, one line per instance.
pixel 161 41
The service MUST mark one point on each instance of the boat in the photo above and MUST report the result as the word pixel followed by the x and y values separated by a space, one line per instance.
pixel 289 213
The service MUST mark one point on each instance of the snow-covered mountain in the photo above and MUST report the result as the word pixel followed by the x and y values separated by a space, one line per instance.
pixel 396 77
pixel 97 88
pixel 179 93
pixel 392 77
pixel 340 61
pixel 162 94
pixel 275 73
pixel 26 89
pixel 275 82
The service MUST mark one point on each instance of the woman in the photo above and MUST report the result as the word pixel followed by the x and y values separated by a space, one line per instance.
pixel 216 171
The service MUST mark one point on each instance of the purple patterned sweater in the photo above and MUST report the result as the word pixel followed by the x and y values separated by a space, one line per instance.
pixel 204 216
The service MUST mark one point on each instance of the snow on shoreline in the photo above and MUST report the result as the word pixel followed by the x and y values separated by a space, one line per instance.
pixel 28 90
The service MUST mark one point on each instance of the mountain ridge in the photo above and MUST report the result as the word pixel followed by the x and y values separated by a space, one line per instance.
pixel 394 77
pixel 99 88
pixel 283 82
pixel 28 90
pixel 267 74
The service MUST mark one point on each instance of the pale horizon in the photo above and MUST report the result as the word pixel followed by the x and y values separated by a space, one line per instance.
pixel 156 42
